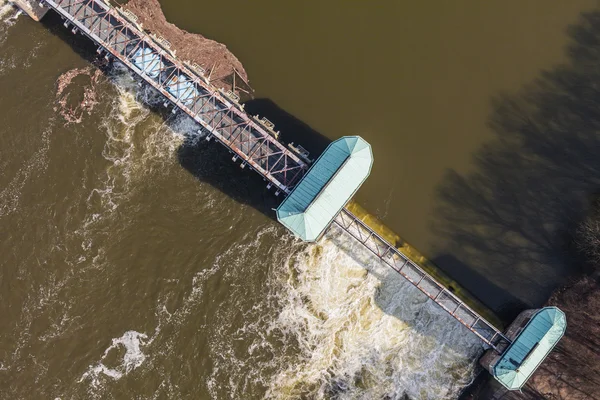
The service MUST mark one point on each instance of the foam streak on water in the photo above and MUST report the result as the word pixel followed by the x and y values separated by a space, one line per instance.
pixel 8 17
pixel 127 153
pixel 132 342
pixel 11 194
pixel 136 145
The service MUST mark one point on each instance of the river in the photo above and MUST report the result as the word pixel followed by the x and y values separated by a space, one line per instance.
pixel 139 262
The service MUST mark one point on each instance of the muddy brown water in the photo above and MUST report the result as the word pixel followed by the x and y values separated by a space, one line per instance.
pixel 138 262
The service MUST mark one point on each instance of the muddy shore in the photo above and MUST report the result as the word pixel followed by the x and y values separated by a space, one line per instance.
pixel 570 371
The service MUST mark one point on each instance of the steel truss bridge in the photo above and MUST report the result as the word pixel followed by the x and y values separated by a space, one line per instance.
pixel 117 33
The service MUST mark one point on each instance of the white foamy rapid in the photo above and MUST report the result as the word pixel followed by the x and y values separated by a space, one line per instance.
pixel 137 144
pixel 8 13
pixel 364 332
pixel 132 342
pixel 330 323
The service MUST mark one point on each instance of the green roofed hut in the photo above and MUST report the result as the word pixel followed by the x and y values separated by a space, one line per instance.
pixel 533 334
pixel 326 188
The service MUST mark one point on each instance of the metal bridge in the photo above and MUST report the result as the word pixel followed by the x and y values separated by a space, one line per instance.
pixel 427 284
pixel 151 58
pixel 117 33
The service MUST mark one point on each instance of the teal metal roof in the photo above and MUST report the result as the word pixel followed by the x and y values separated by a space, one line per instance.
pixel 530 348
pixel 326 188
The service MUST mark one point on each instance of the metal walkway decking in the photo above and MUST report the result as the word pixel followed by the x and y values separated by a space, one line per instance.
pixel 119 35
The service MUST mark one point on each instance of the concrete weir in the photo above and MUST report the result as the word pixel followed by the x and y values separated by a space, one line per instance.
pixel 34 9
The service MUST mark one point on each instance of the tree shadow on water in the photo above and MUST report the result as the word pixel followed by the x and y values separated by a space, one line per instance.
pixel 512 219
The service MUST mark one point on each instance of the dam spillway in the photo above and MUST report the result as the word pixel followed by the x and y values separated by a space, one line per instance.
pixel 251 141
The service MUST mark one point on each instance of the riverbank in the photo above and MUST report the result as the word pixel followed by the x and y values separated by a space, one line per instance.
pixel 571 370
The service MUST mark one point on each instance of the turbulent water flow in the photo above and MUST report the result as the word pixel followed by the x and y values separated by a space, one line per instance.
pixel 126 276
pixel 8 14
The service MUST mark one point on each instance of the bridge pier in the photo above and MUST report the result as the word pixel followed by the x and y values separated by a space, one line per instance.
pixel 35 9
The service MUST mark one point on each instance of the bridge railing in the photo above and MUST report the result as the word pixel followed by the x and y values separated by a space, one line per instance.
pixel 391 256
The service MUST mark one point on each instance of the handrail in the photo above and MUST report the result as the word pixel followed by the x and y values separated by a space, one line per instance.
pixel 436 291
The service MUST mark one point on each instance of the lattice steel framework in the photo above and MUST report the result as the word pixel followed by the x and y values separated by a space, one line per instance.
pixel 421 279
pixel 221 116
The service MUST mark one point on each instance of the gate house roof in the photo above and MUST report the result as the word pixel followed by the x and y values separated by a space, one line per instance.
pixel 326 188
pixel 530 348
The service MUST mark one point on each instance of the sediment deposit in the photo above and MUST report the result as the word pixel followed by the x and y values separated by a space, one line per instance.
pixel 214 57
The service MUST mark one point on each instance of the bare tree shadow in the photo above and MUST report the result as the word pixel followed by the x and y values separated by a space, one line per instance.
pixel 512 219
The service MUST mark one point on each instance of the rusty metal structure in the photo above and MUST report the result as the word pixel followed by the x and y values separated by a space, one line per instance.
pixel 118 35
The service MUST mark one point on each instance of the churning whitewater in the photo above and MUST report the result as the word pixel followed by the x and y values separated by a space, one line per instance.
pixel 153 276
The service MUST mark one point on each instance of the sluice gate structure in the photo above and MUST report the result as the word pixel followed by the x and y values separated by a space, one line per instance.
pixel 315 196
